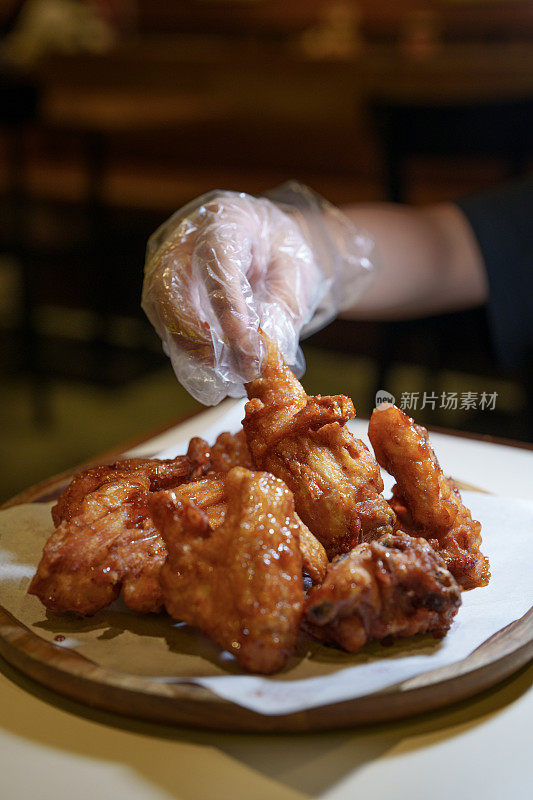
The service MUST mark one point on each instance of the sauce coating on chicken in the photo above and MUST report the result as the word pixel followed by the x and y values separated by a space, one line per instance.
pixel 241 583
pixel 303 440
pixel 426 502
pixel 396 586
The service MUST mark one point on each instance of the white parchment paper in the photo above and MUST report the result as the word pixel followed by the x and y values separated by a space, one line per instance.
pixel 156 646
pixel 508 542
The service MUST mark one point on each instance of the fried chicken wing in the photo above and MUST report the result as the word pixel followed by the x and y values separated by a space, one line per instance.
pixel 210 495
pixel 229 450
pixel 303 440
pixel 426 502
pixel 201 459
pixel 242 582
pixel 394 586
pixel 110 544
pixel 161 474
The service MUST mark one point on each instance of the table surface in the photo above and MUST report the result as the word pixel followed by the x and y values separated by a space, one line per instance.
pixel 52 747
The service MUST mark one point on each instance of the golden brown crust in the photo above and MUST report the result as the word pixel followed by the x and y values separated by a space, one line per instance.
pixel 161 474
pixel 241 583
pixel 396 586
pixel 303 440
pixel 425 501
pixel 209 495
pixel 314 557
pixel 107 542
pixel 402 448
pixel 109 545
pixel 229 450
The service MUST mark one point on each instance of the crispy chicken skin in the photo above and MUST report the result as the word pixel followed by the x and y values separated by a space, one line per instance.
pixel 210 496
pixel 303 440
pixel 314 557
pixel 426 502
pixel 394 586
pixel 230 450
pixel 241 583
pixel 161 474
pixel 109 545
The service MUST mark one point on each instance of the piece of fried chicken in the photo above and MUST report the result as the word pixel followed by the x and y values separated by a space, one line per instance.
pixel 303 440
pixel 161 474
pixel 426 502
pixel 109 544
pixel 107 541
pixel 202 459
pixel 229 450
pixel 210 496
pixel 396 586
pixel 241 583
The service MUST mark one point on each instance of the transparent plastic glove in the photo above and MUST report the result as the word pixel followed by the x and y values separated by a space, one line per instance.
pixel 229 264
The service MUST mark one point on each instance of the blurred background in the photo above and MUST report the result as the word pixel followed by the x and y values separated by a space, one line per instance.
pixel 113 113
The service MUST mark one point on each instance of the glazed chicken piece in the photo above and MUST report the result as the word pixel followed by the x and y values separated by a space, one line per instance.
pixel 241 583
pixel 395 586
pixel 105 541
pixel 210 496
pixel 110 544
pixel 161 474
pixel 229 450
pixel 426 502
pixel 303 440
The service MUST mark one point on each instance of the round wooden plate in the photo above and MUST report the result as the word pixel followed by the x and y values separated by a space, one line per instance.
pixel 73 675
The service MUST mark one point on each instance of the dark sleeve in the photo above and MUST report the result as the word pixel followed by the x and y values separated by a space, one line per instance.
pixel 502 221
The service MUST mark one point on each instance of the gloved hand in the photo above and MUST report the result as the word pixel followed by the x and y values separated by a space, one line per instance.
pixel 228 264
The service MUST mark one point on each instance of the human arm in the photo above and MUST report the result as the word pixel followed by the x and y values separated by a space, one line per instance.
pixel 447 257
pixel 427 259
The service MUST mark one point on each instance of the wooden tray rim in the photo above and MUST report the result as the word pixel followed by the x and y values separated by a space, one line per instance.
pixel 189 704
